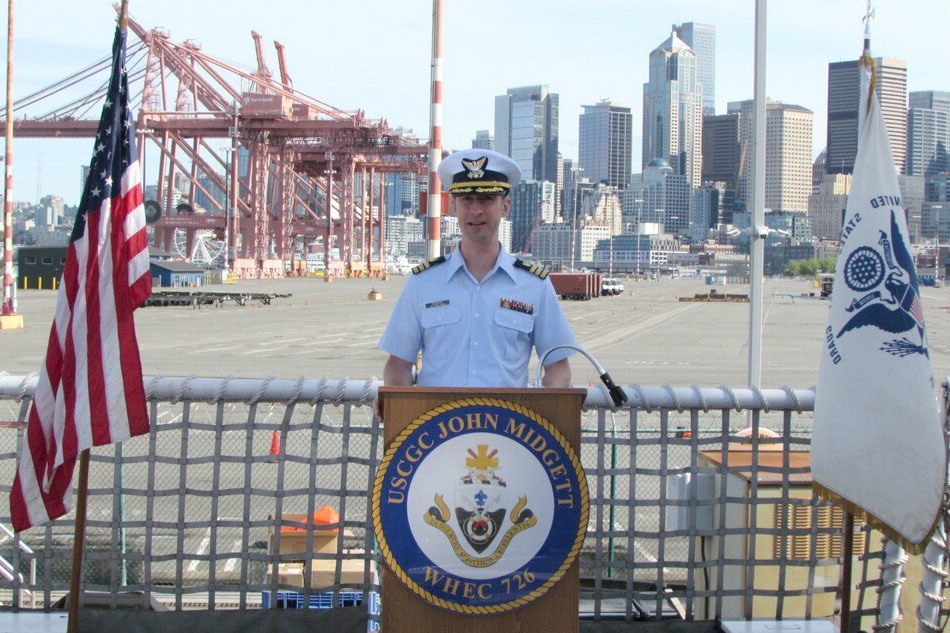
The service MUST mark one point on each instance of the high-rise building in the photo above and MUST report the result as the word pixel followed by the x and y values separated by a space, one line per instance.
pixel 707 202
pixel 928 134
pixel 929 99
pixel 526 129
pixel 553 243
pixel 402 193
pixel 631 200
pixel 483 140
pixel 673 110
pixel 935 222
pixel 666 197
pixel 941 187
pixel 504 234
pixel 532 202
pixel 602 205
pixel 571 175
pixel 84 175
pixel 701 38
pixel 826 206
pixel 605 143
pixel 401 230
pixel 818 171
pixel 788 157
pixel 587 238
pixel 208 195
pixel 721 151
pixel 844 101
pixel 51 211
pixel 402 189
pixel 913 197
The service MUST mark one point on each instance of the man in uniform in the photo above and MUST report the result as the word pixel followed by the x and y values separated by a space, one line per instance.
pixel 477 313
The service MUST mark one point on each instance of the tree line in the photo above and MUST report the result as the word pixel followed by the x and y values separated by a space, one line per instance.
pixel 809 267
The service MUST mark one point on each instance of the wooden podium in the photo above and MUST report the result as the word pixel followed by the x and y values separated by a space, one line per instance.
pixel 554 611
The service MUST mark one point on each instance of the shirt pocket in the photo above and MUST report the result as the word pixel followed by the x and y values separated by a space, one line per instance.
pixel 441 327
pixel 516 329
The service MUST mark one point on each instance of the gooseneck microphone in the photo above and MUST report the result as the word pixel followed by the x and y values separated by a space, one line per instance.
pixel 616 393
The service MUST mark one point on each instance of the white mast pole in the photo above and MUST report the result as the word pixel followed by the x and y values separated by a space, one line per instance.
pixel 758 235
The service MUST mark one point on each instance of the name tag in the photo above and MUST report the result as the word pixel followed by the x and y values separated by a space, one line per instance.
pixel 436 304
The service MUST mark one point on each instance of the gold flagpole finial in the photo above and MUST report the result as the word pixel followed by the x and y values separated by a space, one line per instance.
pixel 124 15
pixel 866 60
pixel 868 15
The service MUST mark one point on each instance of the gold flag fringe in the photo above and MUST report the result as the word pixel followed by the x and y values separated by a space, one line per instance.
pixel 859 512
pixel 868 62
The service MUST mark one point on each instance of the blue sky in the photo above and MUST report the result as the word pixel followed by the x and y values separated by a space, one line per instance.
pixel 374 55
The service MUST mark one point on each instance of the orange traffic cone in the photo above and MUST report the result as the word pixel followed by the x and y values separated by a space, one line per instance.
pixel 275 446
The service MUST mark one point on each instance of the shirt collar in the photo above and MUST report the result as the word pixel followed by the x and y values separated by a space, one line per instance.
pixel 505 262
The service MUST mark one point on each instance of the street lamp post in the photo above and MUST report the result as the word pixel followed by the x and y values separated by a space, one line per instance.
pixel 231 189
pixel 637 276
pixel 228 178
pixel 574 170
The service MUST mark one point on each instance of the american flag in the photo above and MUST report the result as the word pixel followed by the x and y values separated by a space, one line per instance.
pixel 90 390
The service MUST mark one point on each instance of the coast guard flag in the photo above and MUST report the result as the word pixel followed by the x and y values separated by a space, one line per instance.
pixel 90 391
pixel 878 442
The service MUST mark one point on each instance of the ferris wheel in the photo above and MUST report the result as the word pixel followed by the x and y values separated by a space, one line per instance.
pixel 206 249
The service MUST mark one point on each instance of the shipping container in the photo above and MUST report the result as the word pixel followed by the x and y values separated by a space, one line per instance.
pixel 266 106
pixel 576 286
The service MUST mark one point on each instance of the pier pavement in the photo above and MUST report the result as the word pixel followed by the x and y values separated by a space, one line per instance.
pixel 644 336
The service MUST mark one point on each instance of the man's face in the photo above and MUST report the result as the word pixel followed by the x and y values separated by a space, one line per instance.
pixel 480 214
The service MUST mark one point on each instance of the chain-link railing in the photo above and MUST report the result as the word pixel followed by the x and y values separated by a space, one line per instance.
pixel 690 515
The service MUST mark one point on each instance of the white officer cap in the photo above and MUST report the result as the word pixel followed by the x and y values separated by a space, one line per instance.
pixel 478 171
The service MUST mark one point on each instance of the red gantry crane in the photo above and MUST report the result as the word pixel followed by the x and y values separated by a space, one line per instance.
pixel 298 174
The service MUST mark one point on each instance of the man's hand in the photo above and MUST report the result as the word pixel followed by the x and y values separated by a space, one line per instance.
pixel 396 373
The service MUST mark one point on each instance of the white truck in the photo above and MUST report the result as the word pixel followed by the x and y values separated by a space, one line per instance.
pixel 611 286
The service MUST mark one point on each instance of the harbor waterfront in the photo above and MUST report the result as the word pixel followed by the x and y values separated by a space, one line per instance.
pixel 186 514
pixel 644 336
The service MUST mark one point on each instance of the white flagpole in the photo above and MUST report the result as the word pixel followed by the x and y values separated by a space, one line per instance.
pixel 757 237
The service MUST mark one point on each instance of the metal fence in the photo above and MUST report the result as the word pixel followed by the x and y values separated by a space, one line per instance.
pixel 689 518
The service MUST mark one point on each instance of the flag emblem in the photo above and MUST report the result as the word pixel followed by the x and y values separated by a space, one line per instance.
pixel 894 304
pixel 864 269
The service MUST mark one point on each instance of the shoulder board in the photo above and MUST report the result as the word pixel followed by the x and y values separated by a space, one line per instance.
pixel 534 268
pixel 427 265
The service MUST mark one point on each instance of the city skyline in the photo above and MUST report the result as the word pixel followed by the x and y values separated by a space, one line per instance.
pixel 572 48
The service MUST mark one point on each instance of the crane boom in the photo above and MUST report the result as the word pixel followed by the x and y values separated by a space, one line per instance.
pixel 281 62
pixel 262 70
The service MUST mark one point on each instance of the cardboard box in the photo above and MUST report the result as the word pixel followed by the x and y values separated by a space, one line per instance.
pixel 296 543
pixel 287 574
pixel 322 573
pixel 293 538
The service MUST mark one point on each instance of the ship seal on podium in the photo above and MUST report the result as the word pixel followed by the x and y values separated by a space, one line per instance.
pixel 480 506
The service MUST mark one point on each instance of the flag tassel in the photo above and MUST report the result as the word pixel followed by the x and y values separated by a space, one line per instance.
pixel 859 512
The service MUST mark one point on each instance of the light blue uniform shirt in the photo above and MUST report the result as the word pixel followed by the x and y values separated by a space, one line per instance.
pixel 476 334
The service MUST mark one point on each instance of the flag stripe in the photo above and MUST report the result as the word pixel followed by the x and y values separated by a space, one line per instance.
pixel 90 391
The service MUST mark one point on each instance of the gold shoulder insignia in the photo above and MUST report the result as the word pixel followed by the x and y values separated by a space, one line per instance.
pixel 427 265
pixel 532 267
